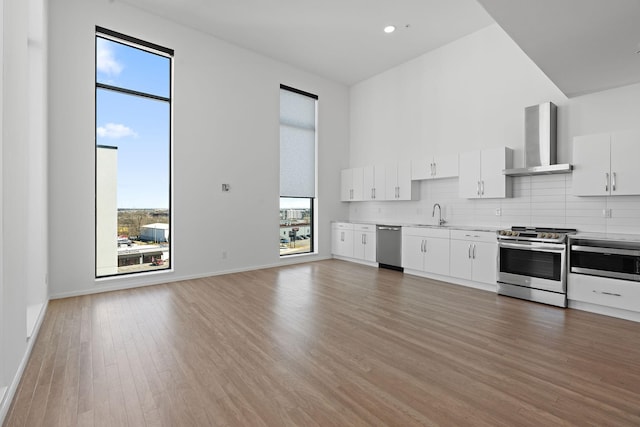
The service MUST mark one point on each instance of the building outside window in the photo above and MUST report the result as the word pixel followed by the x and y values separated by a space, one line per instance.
pixel 298 146
pixel 133 155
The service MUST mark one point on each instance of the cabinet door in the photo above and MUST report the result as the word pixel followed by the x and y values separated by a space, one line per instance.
pixel 357 184
pixel 342 241
pixel 412 255
pixel 625 163
pixel 346 185
pixel 436 257
pixel 591 165
pixel 373 183
pixel 359 245
pixel 445 166
pixel 369 244
pixel 422 168
pixel 469 177
pixel 493 183
pixel 403 173
pixel 485 262
pixel 391 181
pixel 460 262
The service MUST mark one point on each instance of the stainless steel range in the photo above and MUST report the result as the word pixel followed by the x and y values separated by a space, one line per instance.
pixel 532 264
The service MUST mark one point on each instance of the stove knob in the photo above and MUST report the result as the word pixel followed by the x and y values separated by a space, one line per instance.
pixel 555 235
pixel 544 235
pixel 501 232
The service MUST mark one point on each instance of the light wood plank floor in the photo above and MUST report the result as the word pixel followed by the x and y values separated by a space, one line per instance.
pixel 326 343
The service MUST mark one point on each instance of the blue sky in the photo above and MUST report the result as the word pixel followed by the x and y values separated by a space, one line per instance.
pixel 138 126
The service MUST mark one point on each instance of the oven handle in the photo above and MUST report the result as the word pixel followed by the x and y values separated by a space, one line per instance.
pixel 605 251
pixel 534 246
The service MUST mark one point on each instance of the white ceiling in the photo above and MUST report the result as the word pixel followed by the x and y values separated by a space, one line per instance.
pixel 582 45
pixel 338 39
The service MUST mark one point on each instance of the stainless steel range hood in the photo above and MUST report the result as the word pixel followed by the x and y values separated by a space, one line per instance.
pixel 540 122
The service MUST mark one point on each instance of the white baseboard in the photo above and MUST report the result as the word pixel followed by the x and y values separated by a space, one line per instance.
pixel 10 391
pixel 160 280
pixel 604 310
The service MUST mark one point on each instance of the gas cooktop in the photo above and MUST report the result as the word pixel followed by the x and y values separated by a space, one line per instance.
pixel 536 234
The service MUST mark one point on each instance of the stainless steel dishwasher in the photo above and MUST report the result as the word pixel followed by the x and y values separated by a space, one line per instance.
pixel 389 246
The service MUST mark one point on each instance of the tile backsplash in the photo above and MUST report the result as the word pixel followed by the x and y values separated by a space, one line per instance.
pixel 540 200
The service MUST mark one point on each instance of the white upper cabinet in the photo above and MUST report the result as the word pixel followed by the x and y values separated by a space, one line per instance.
pixel 481 173
pixel 374 187
pixel 606 164
pixel 435 167
pixel 398 184
pixel 351 185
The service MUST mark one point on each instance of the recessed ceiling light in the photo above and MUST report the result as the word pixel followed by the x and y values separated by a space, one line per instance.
pixel 389 29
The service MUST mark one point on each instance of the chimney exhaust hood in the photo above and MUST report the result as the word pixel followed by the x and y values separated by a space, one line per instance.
pixel 540 143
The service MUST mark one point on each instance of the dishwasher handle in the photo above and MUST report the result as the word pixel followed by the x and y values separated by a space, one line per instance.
pixel 384 227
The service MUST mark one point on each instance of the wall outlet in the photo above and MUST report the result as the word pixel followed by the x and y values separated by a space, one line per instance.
pixel 606 213
pixel 498 212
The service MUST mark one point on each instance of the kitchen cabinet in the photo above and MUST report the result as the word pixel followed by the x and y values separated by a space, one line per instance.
pixel 351 185
pixel 342 239
pixel 374 187
pixel 606 164
pixel 474 255
pixel 364 242
pixel 426 249
pixel 481 173
pixel 435 167
pixel 398 184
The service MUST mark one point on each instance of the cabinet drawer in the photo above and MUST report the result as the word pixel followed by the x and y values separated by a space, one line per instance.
pixel 343 225
pixel 442 233
pixel 477 236
pixel 364 227
pixel 603 291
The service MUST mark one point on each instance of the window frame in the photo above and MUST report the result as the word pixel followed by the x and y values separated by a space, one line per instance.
pixel 152 48
pixel 313 200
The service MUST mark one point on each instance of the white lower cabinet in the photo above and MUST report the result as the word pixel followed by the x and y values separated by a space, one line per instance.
pixel 426 249
pixel 474 256
pixel 356 241
pixel 364 242
pixel 615 293
pixel 342 239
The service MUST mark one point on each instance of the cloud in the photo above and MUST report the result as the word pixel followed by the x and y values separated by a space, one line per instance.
pixel 115 131
pixel 106 61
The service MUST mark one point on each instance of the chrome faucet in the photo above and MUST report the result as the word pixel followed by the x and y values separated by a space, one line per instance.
pixel 440 220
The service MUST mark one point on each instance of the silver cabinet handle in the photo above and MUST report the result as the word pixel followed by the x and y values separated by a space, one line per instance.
pixel 478 189
pixel 606 181
pixel 425 246
pixel 482 187
pixel 474 251
pixel 342 236
pixel 372 194
pixel 469 252
pixel 607 293
pixel 613 181
pixel 435 169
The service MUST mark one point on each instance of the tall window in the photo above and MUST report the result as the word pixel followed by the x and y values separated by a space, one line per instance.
pixel 133 155
pixel 297 170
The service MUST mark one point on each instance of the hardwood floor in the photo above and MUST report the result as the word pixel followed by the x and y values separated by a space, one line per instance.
pixel 326 343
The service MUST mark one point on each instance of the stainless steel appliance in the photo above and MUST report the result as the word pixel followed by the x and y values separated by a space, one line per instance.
pixel 389 246
pixel 605 258
pixel 540 140
pixel 532 264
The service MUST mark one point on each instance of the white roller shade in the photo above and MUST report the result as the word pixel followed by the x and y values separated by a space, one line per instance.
pixel 297 144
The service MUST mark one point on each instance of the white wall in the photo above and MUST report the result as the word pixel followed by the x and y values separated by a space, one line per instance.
pixel 23 249
pixel 226 110
pixel 471 94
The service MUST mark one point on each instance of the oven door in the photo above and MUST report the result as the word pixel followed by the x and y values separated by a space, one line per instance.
pixel 533 265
